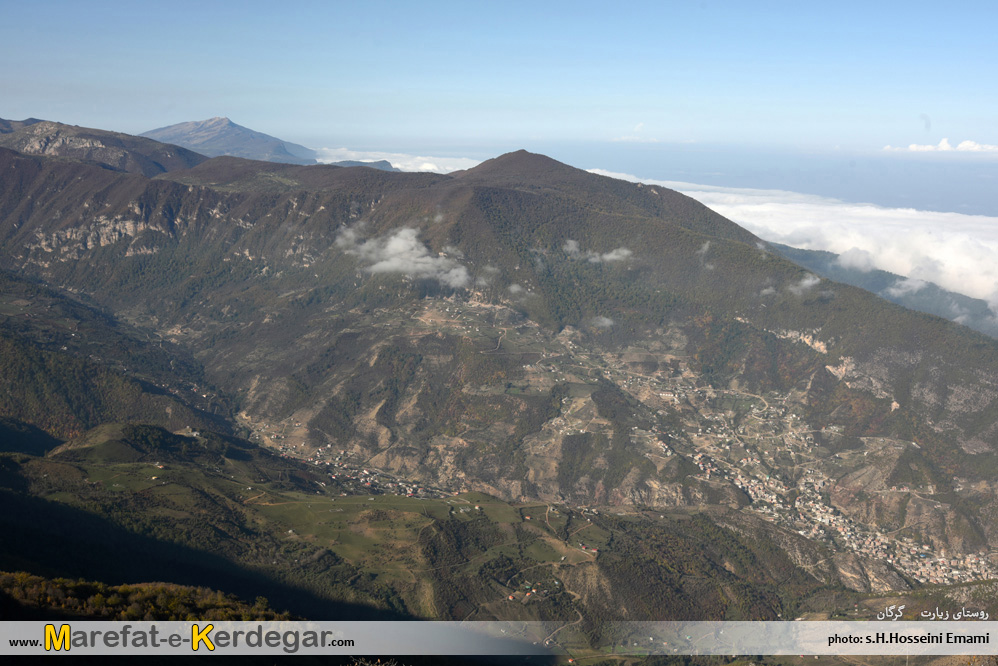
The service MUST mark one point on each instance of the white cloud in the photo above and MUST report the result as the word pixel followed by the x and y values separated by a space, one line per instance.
pixel 601 322
pixel 956 251
pixel 905 287
pixel 857 259
pixel 702 253
pixel 488 273
pixel 945 146
pixel 617 254
pixel 400 161
pixel 804 285
pixel 973 146
pixel 401 252
pixel 572 249
pixel 516 289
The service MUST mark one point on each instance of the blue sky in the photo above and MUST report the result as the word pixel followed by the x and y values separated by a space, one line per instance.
pixel 491 76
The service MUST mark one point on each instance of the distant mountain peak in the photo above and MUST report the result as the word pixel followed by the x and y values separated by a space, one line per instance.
pixel 518 164
pixel 520 158
pixel 220 136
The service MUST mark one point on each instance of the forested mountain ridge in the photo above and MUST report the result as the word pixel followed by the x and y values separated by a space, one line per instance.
pixel 524 329
pixel 640 253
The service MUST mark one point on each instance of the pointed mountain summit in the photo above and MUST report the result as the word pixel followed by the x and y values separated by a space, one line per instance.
pixel 531 172
pixel 220 136
pixel 527 169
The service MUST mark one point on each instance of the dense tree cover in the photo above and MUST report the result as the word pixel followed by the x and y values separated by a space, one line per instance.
pixel 54 598
pixel 453 541
pixel 17 436
pixel 687 568
pixel 599 458
pixel 691 569
pixel 726 348
pixel 56 321
pixel 64 395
